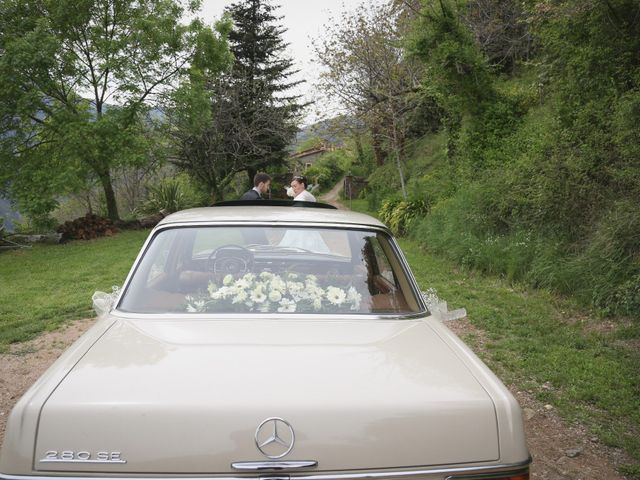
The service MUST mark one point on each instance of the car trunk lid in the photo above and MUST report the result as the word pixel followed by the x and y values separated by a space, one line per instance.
pixel 186 396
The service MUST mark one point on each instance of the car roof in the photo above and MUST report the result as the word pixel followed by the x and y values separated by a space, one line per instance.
pixel 270 214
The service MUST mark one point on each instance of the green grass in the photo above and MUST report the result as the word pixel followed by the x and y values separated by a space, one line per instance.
pixel 360 205
pixel 45 286
pixel 538 339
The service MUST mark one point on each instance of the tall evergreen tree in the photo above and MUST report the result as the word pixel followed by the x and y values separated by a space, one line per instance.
pixel 243 120
pixel 259 81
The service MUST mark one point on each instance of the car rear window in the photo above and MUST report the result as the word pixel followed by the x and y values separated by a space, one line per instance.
pixel 248 269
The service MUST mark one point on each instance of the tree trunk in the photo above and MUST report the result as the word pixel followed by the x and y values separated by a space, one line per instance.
pixel 217 195
pixel 251 172
pixel 109 195
pixel 398 153
pixel 376 142
pixel 359 148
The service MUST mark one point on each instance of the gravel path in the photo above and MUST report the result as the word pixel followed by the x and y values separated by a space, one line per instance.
pixel 26 361
pixel 331 197
pixel 560 451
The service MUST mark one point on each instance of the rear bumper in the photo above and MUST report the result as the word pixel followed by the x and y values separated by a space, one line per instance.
pixel 409 474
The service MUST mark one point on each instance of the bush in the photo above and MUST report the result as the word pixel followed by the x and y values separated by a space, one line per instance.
pixel 383 183
pixel 402 215
pixel 603 271
pixel 607 271
pixel 329 168
pixel 36 224
pixel 171 195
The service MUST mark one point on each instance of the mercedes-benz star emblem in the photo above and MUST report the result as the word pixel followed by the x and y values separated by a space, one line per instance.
pixel 275 437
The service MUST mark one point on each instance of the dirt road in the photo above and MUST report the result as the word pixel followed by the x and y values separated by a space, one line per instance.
pixel 331 197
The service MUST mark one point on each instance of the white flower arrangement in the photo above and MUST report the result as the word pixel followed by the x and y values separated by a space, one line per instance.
pixel 270 292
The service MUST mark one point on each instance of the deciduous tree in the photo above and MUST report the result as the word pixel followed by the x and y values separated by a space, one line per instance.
pixel 76 80
pixel 369 72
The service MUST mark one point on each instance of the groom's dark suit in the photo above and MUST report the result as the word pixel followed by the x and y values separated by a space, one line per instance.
pixel 251 195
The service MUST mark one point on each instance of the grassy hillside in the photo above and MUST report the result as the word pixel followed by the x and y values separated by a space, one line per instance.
pixel 42 287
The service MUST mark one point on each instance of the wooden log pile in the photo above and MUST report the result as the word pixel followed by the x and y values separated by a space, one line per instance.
pixel 87 227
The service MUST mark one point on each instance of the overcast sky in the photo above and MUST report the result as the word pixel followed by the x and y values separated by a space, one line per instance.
pixel 303 20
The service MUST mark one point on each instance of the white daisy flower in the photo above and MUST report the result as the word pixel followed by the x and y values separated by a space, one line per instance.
pixel 317 303
pixel 258 295
pixel 275 295
pixel 242 283
pixel 336 295
pixel 212 288
pixel 317 291
pixel 354 298
pixel 287 305
pixel 241 296
pixel 228 279
pixel 249 277
pixel 266 275
pixel 278 284
pixel 297 285
pixel 295 288
pixel 226 292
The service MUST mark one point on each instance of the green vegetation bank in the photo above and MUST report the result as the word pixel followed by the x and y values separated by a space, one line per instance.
pixel 520 151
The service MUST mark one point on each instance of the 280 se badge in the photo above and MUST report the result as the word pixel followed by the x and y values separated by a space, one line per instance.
pixel 241 322
pixel 67 456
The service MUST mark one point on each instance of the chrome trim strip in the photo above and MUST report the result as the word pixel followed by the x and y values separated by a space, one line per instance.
pixel 267 316
pixel 488 469
pixel 253 466
pixel 408 272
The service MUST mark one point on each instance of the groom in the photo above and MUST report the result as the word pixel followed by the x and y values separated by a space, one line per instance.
pixel 261 184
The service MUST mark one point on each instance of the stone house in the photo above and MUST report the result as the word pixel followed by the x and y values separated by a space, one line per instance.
pixel 302 160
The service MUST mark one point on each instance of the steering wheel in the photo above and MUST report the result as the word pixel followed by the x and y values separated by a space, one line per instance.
pixel 230 260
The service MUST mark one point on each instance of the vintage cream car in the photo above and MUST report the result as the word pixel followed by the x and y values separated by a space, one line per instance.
pixel 273 343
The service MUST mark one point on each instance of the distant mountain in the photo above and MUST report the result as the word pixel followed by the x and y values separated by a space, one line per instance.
pixel 333 131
